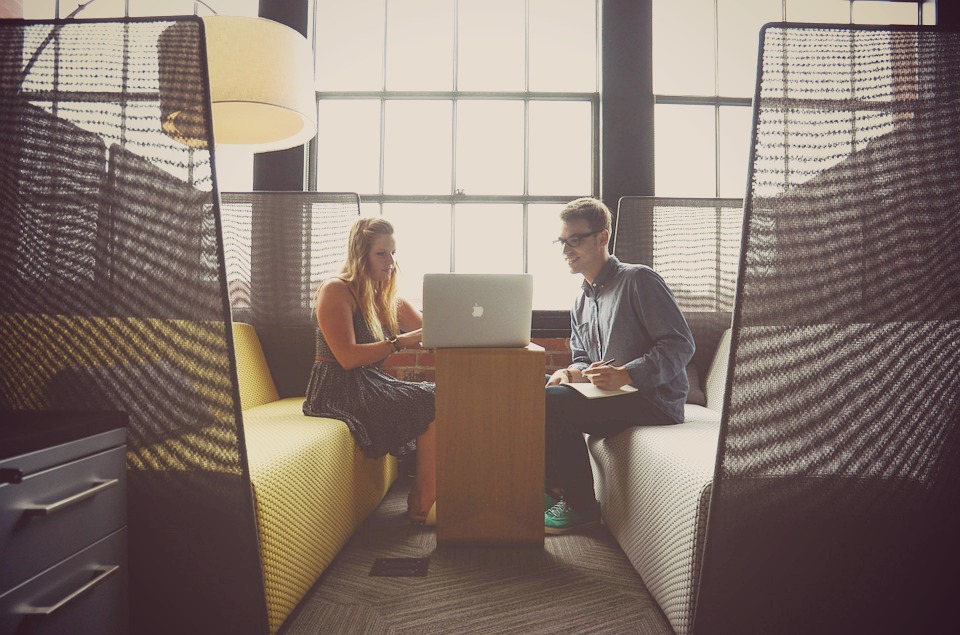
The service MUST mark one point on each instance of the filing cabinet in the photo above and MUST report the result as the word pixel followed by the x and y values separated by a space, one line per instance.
pixel 63 541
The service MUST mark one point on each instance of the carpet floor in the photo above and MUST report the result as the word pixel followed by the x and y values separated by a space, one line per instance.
pixel 580 583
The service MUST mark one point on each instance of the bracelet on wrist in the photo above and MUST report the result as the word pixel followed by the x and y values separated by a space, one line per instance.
pixel 395 344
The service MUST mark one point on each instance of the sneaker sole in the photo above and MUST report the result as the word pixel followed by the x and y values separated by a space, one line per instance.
pixel 556 531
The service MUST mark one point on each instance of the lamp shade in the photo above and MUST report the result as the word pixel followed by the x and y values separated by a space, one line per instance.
pixel 261 87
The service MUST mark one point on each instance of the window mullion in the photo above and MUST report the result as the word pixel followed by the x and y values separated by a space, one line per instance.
pixel 453 140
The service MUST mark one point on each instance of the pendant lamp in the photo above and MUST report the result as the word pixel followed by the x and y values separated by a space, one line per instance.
pixel 261 87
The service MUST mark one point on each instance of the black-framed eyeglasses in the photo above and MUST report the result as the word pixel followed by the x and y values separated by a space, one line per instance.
pixel 575 240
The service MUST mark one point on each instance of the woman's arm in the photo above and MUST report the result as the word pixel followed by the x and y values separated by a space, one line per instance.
pixel 411 324
pixel 335 307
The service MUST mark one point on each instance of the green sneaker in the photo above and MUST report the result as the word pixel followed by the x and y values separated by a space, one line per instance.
pixel 548 502
pixel 561 518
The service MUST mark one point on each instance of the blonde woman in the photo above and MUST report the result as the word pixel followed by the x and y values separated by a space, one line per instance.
pixel 361 322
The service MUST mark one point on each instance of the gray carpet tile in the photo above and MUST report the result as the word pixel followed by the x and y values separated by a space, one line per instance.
pixel 579 583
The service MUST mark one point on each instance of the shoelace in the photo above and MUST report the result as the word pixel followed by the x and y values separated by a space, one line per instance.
pixel 558 510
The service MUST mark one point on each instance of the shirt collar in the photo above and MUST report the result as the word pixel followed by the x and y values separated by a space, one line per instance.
pixel 606 272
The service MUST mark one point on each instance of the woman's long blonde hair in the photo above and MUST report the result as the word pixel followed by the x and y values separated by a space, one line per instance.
pixel 376 301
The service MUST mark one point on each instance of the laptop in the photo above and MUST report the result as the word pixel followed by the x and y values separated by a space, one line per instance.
pixel 483 310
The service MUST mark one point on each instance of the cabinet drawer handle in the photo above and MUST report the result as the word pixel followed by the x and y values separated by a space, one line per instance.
pixel 105 572
pixel 43 510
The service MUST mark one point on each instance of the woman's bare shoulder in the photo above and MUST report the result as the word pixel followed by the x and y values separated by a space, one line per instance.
pixel 335 290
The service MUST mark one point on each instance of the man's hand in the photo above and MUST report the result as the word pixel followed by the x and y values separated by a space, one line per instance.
pixel 565 376
pixel 606 377
pixel 558 377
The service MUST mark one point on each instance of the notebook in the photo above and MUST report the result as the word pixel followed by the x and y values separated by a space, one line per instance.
pixel 467 310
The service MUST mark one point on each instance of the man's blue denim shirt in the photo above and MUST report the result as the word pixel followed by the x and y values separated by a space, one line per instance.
pixel 629 314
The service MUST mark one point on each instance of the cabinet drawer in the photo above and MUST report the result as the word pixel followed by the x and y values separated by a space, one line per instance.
pixel 54 513
pixel 85 594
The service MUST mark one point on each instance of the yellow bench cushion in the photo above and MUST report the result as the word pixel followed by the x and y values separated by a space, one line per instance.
pixel 312 490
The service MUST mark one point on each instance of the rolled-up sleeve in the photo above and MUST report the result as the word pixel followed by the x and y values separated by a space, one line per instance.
pixel 578 349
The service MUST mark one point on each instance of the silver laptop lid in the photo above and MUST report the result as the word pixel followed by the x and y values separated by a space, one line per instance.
pixel 466 310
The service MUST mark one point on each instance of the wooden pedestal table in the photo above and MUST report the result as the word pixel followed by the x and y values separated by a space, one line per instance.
pixel 490 421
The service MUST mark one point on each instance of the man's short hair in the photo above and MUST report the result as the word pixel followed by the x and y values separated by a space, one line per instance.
pixel 592 210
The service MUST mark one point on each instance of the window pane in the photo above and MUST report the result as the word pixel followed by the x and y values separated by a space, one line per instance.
pixel 45 9
pixel 681 67
pixel 490 147
pixel 830 11
pixel 234 165
pixel 349 45
pixel 488 238
pixel 554 287
pixel 884 13
pixel 422 232
pixel 560 148
pixel 369 209
pixel 420 45
pixel 684 151
pixel 490 41
pixel 250 8
pixel 739 23
pixel 736 124
pixel 101 9
pixel 563 45
pixel 348 146
pixel 418 150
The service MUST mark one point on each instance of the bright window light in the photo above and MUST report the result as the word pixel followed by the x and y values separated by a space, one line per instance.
pixel 353 127
pixel 349 45
pixel 480 65
pixel 738 43
pixel 684 151
pixel 488 238
pixel 490 147
pixel 417 153
pixel 420 45
pixel 560 143
pixel 489 109
pixel 554 287
pixel 422 232
pixel 563 45
pixel 679 68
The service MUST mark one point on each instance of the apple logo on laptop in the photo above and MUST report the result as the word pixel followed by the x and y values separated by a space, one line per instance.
pixel 477 310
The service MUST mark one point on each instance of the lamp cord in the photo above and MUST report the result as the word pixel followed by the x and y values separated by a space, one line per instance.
pixel 80 7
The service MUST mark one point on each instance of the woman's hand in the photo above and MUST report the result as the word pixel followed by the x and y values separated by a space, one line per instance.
pixel 606 377
pixel 410 339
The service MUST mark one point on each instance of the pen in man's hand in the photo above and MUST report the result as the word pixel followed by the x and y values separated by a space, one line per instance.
pixel 606 363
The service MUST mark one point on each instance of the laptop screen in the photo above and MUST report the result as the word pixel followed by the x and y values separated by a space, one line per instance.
pixel 464 310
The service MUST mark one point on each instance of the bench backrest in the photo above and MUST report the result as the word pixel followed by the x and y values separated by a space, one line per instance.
pixel 253 374
pixel 279 246
pixel 694 244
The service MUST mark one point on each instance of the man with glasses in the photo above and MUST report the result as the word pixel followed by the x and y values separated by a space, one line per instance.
pixel 627 333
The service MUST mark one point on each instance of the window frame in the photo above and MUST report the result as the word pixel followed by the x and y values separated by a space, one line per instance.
pixel 546 323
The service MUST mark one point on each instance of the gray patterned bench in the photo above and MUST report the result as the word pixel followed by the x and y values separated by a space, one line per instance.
pixel 654 486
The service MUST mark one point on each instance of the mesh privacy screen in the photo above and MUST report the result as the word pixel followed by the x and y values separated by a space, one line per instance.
pixel 835 503
pixel 113 295
pixel 279 246
pixel 694 244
